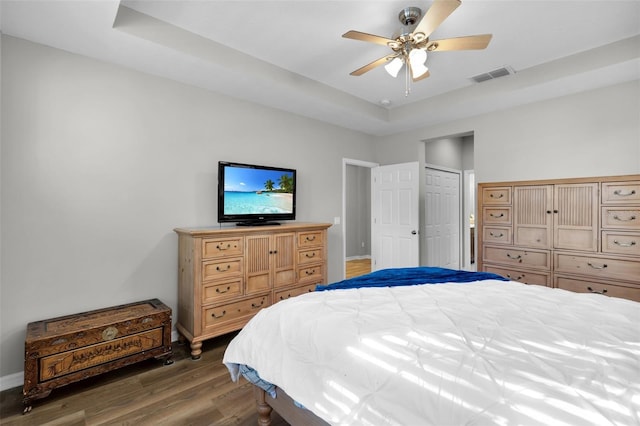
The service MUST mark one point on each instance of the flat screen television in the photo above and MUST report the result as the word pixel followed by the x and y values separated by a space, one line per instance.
pixel 251 194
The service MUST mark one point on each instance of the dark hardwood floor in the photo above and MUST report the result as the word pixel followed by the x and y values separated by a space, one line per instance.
pixel 148 393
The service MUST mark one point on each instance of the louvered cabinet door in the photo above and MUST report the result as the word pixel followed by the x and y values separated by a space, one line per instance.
pixel 533 216
pixel 284 255
pixel 258 263
pixel 575 217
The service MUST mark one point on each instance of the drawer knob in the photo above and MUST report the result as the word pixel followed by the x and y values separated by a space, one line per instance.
pixel 597 292
pixel 494 196
pixel 616 217
pixel 496 215
pixel 619 193
pixel 310 255
pixel 518 257
pixel 630 244
pixel 223 247
pixel 218 268
pixel 311 272
pixel 500 235
pixel 604 265
pixel 223 291
pixel 311 238
pixel 213 314
pixel 256 306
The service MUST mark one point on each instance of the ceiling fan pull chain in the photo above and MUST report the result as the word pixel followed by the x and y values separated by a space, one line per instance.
pixel 407 82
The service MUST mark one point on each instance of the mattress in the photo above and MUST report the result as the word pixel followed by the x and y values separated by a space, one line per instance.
pixel 481 353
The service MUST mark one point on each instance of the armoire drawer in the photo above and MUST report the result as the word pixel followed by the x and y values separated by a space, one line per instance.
pixel 526 277
pixel 496 215
pixel 539 259
pixel 621 242
pixel 598 266
pixel 621 218
pixel 621 192
pixel 581 285
pixel 497 195
pixel 497 234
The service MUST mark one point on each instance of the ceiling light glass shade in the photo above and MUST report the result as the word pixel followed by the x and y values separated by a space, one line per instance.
pixel 417 58
pixel 393 67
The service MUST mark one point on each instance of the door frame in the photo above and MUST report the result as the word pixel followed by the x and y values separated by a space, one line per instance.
pixel 461 247
pixel 349 162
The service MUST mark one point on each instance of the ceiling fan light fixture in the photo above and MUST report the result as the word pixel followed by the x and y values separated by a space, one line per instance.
pixel 417 58
pixel 393 67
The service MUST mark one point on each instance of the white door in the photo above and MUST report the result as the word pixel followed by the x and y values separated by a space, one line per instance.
pixel 442 218
pixel 395 242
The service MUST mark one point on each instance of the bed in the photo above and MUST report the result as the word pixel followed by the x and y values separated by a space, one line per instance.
pixel 400 347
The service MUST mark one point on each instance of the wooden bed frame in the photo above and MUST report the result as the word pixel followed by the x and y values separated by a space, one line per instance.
pixel 285 407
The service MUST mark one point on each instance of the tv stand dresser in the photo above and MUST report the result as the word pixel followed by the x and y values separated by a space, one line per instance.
pixel 226 275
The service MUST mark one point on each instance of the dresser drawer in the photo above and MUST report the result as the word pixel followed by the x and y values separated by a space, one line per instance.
pixel 526 277
pixel 621 242
pixel 580 285
pixel 310 256
pixel 497 195
pixel 218 291
pixel 496 234
pixel 297 291
pixel 234 311
pixel 598 266
pixel 621 192
pixel 496 215
pixel 311 273
pixel 222 247
pixel 310 239
pixel 621 218
pixel 222 268
pixel 540 259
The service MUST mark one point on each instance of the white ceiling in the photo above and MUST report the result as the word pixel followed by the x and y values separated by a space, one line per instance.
pixel 290 54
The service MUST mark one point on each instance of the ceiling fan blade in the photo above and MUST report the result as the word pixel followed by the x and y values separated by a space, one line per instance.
pixel 374 64
pixel 422 77
pixel 475 42
pixel 437 13
pixel 357 35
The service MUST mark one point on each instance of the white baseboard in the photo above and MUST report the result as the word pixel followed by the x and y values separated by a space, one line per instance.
pixel 368 256
pixel 12 381
pixel 17 379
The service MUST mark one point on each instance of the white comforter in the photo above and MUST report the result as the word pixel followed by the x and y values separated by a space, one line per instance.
pixel 483 353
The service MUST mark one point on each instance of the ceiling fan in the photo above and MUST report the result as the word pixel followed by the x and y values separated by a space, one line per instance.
pixel 411 47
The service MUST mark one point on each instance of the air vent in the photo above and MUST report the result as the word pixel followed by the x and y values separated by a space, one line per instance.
pixel 500 72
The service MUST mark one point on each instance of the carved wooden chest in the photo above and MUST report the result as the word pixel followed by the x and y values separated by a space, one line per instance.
pixel 63 350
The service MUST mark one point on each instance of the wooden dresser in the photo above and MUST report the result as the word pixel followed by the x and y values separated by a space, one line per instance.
pixel 580 234
pixel 227 275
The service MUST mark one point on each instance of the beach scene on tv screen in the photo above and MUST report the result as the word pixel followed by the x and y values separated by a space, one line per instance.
pixel 257 191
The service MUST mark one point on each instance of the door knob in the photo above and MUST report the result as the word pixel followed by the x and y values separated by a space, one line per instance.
pixel 414 232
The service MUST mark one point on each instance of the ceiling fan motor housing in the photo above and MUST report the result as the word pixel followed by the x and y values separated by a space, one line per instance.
pixel 409 15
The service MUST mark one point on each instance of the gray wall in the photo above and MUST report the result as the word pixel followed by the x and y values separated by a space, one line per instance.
pixel 100 163
pixel 358 211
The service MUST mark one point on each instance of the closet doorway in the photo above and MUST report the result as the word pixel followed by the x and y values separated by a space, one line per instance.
pixel 442 217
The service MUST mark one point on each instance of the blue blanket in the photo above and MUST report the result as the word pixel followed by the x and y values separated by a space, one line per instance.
pixel 410 276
